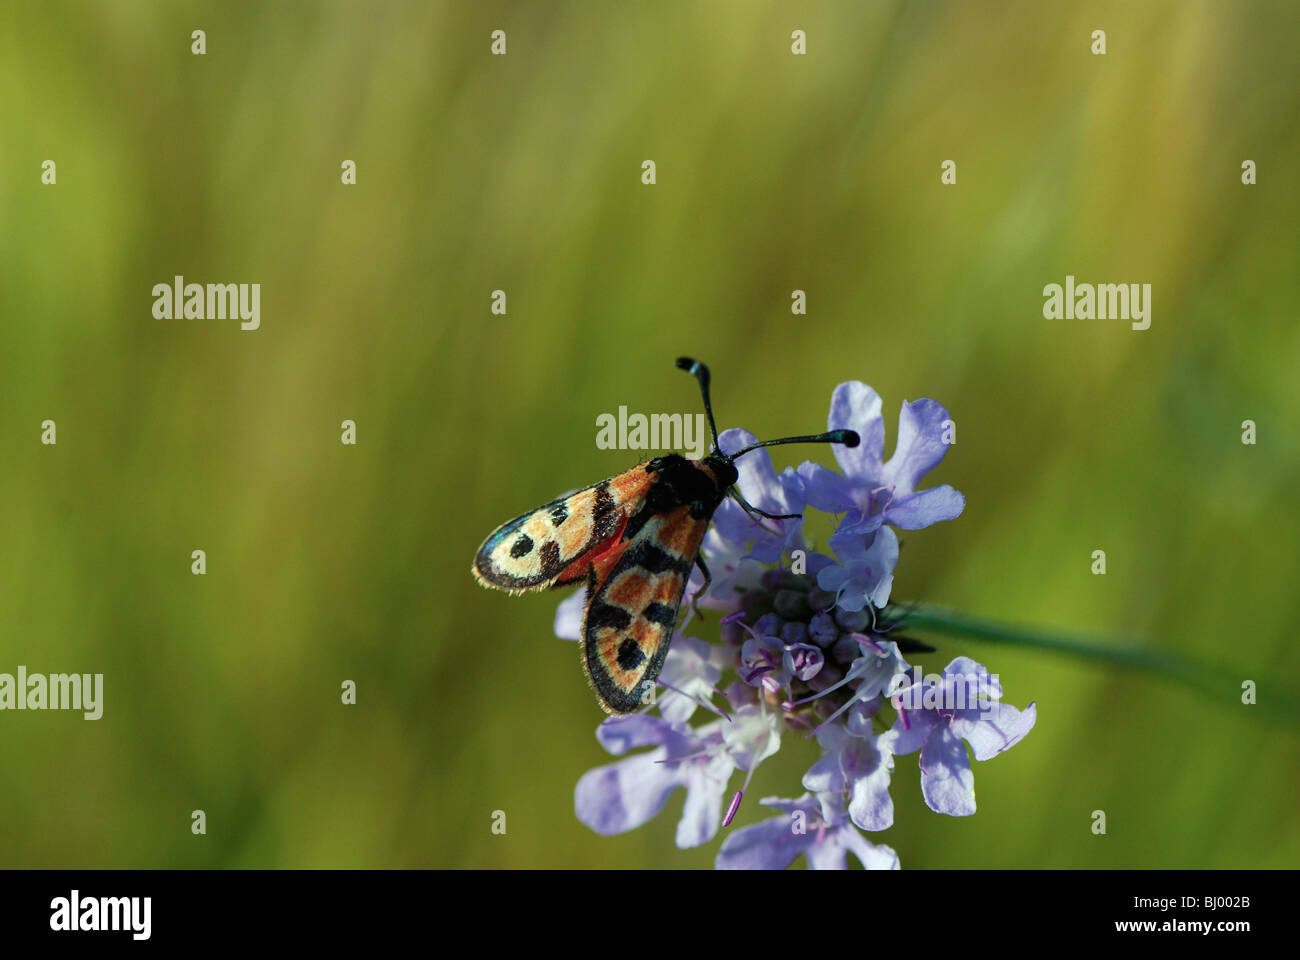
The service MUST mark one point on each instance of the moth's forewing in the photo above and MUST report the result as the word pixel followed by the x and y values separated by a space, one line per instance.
pixel 534 551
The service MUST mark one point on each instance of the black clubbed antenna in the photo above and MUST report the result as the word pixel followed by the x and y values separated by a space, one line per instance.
pixel 846 437
pixel 701 373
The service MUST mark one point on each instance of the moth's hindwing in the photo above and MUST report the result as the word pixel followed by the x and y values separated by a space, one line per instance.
pixel 559 542
pixel 631 611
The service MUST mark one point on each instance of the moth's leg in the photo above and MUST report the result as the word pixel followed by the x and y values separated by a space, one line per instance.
pixel 695 597
pixel 750 509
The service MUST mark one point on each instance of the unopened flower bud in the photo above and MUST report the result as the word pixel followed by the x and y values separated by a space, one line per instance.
pixel 819 599
pixel 795 633
pixel 791 605
pixel 822 630
pixel 853 621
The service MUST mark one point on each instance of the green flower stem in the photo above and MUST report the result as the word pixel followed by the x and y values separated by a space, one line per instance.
pixel 1215 683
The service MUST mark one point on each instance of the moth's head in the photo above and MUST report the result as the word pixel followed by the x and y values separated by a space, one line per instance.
pixel 723 469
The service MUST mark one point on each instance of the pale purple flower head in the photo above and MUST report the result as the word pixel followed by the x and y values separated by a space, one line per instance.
pixel 804 649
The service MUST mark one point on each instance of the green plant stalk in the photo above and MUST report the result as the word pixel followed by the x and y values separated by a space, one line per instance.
pixel 1215 682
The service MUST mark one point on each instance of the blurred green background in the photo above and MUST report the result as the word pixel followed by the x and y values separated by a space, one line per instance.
pixel 523 173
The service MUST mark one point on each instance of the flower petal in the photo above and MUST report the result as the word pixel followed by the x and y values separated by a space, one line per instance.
pixel 826 775
pixel 882 558
pixel 826 490
pixel 827 851
pixel 751 737
pixel 832 578
pixel 972 671
pixel 569 614
pixel 853 598
pixel 946 779
pixel 770 845
pixel 768 539
pixel 732 571
pixel 867 767
pixel 920 445
pixel 618 735
pixel 876 670
pixel 732 523
pixel 793 490
pixel 702 811
pixel 992 730
pixel 872 856
pixel 688 668
pixel 855 406
pixel 758 481
pixel 914 725
pixel 855 527
pixel 624 795
pixel 917 510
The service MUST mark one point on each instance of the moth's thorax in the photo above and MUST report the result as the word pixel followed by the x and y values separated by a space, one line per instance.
pixel 698 484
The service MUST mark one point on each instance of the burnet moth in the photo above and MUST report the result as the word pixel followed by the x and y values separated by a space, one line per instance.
pixel 632 539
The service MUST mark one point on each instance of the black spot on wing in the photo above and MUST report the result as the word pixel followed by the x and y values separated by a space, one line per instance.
pixel 559 513
pixel 654 559
pixel 607 615
pixel 604 518
pixel 550 557
pixel 630 655
pixel 660 613
pixel 522 547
